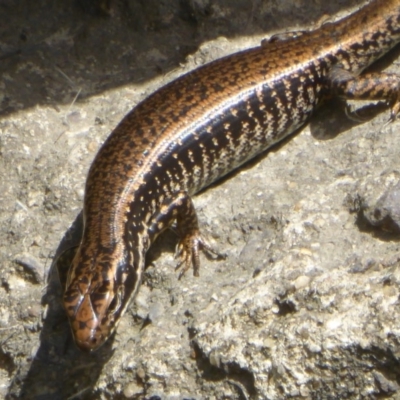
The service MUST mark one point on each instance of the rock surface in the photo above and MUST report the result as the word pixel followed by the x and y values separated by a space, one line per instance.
pixel 306 305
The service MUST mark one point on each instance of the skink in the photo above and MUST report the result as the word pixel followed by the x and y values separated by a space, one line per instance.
pixel 196 129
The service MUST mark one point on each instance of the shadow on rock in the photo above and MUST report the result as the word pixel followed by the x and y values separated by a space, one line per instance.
pixel 59 370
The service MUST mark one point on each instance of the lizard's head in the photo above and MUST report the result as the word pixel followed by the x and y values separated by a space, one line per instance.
pixel 98 290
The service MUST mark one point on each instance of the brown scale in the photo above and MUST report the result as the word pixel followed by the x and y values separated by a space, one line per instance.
pixel 195 130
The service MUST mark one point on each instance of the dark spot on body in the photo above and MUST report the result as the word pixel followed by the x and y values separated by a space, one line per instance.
pixel 162 119
pixel 184 110
pixel 217 87
pixel 82 325
pixel 84 279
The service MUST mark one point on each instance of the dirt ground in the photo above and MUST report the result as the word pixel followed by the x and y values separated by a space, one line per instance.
pixel 69 72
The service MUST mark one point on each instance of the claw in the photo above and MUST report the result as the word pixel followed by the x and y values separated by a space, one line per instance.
pixel 394 110
pixel 353 115
pixel 188 252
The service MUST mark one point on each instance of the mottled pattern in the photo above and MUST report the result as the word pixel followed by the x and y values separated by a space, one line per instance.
pixel 195 130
